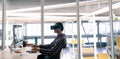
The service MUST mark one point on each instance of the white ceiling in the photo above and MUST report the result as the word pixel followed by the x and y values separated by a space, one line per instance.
pixel 28 11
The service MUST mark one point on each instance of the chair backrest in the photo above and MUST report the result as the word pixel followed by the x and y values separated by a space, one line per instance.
pixel 62 52
pixel 65 53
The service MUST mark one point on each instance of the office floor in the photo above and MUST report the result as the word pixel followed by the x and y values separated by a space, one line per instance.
pixel 70 55
pixel 101 50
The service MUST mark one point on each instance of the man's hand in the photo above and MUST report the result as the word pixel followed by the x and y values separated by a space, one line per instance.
pixel 35 48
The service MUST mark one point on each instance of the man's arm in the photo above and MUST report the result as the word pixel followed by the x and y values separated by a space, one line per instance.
pixel 48 46
pixel 38 47
pixel 58 46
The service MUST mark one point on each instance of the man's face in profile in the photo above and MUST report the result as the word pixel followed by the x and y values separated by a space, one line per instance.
pixel 56 30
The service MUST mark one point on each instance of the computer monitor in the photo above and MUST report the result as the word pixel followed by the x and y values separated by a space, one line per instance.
pixel 17 35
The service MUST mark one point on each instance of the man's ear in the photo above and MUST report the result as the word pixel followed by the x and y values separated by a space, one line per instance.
pixel 60 28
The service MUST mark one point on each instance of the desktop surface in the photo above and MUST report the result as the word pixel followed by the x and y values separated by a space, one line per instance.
pixel 8 54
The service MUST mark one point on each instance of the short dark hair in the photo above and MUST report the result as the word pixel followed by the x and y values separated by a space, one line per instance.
pixel 60 25
pixel 57 25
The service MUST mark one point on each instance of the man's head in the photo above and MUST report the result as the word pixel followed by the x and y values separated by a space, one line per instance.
pixel 57 27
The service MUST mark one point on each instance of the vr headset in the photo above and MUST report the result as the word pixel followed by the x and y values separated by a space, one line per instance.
pixel 54 27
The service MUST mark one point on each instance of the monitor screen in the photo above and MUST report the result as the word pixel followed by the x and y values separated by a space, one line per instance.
pixel 18 34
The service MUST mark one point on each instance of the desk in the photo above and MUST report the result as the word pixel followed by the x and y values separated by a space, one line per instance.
pixel 87 52
pixel 7 54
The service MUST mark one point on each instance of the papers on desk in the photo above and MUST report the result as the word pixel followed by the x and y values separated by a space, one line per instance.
pixel 14 49
pixel 17 51
pixel 30 51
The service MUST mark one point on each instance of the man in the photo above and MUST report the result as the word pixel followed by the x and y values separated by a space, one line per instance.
pixel 52 51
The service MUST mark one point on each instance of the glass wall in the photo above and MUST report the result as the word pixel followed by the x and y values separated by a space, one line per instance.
pixel 27 14
pixel 91 28
pixel 34 30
